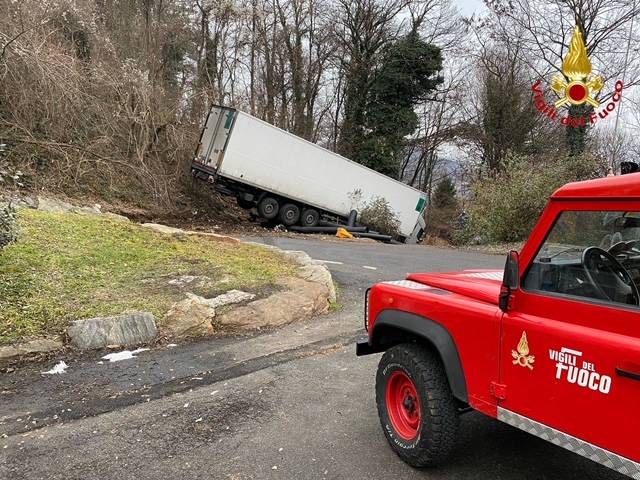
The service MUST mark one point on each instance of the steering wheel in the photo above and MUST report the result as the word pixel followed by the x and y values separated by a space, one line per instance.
pixel 603 270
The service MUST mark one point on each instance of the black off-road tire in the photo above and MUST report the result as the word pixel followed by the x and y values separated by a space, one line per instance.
pixel 439 417
pixel 268 208
pixel 289 214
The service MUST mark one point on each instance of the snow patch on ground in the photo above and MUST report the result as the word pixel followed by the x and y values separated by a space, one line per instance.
pixel 124 355
pixel 61 367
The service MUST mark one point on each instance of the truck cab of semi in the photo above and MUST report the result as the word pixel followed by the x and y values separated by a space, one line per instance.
pixel 550 345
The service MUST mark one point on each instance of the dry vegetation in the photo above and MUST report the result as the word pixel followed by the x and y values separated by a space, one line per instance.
pixel 105 98
pixel 82 112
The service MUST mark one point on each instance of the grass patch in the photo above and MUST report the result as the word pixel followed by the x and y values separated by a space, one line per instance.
pixel 335 306
pixel 66 267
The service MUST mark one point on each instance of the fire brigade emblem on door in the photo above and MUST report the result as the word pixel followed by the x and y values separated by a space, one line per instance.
pixel 521 355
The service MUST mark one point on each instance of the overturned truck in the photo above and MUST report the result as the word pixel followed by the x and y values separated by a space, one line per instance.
pixel 293 181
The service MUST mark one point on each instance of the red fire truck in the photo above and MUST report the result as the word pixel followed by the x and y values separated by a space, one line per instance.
pixel 550 345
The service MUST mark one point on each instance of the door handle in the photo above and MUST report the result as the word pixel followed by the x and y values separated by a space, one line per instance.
pixel 628 374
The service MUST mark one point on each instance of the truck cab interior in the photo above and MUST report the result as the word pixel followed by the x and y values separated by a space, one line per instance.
pixel 590 254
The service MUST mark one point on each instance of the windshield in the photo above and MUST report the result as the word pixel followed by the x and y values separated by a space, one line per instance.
pixel 575 231
pixel 592 254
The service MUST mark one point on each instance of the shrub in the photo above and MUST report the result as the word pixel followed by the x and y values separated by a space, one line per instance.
pixel 443 213
pixel 442 222
pixel 8 226
pixel 378 215
pixel 506 207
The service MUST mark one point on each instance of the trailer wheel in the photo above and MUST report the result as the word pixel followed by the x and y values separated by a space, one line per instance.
pixel 289 214
pixel 245 204
pixel 310 217
pixel 268 208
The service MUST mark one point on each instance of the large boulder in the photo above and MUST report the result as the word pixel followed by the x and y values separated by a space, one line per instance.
pixel 228 298
pixel 193 316
pixel 94 210
pixel 313 271
pixel 320 274
pixel 298 256
pixel 127 329
pixel 215 237
pixel 115 216
pixel 21 201
pixel 54 205
pixel 299 300
pixel 190 317
pixel 163 228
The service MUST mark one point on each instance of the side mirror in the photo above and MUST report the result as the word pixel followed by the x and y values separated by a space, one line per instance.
pixel 510 280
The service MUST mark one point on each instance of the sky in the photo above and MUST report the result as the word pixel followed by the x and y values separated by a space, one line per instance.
pixel 469 7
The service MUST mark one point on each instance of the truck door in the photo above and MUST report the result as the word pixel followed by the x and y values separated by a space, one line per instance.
pixel 570 346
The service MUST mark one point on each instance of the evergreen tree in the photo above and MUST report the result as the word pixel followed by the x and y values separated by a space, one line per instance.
pixel 445 194
pixel 443 211
pixel 408 73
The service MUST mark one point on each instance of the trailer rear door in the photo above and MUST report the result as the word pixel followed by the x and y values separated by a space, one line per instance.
pixel 214 136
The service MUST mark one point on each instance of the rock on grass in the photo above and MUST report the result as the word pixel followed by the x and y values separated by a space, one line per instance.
pixel 299 300
pixel 128 329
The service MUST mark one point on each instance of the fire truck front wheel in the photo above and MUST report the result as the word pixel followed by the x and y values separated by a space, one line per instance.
pixel 417 410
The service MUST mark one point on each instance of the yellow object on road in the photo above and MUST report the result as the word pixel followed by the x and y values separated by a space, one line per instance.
pixel 342 233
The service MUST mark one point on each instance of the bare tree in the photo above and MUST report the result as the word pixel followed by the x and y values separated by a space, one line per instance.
pixel 544 28
pixel 440 122
pixel 307 50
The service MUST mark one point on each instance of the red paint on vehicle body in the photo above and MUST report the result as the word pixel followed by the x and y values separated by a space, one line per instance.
pixel 485 290
pixel 474 325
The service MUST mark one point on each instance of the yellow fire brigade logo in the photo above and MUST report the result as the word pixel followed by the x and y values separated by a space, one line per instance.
pixel 521 356
pixel 582 86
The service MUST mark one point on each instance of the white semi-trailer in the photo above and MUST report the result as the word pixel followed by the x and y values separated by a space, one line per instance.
pixel 288 178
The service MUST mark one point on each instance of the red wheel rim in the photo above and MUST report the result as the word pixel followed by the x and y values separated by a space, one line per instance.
pixel 403 405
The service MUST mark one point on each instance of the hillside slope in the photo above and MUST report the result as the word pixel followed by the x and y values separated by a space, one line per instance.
pixel 67 266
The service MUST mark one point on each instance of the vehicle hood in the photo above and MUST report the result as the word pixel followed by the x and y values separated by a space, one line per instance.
pixel 483 285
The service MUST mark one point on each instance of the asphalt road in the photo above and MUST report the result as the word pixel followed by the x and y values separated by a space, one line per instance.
pixel 290 404
pixel 358 265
